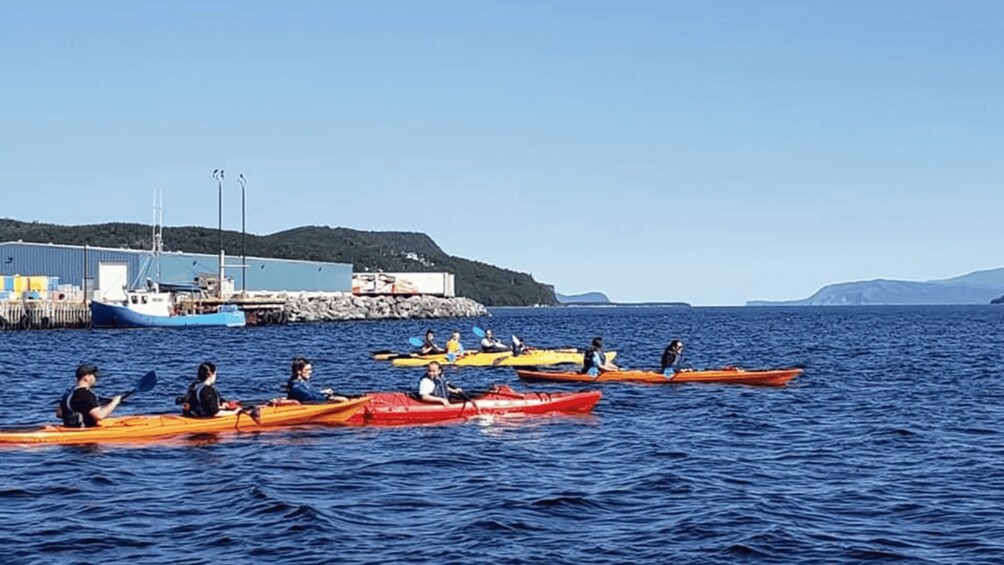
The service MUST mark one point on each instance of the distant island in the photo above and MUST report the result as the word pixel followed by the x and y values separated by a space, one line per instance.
pixel 584 298
pixel 980 287
pixel 366 251
pixel 600 299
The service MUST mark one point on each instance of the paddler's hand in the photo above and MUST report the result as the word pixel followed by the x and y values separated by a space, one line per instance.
pixel 231 405
pixel 328 391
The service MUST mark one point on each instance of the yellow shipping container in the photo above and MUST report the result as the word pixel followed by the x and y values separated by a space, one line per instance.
pixel 20 284
pixel 38 283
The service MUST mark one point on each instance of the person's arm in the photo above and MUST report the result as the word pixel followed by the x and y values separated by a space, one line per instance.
pixel 303 392
pixel 101 412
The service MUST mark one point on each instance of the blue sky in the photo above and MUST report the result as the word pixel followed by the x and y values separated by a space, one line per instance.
pixel 710 152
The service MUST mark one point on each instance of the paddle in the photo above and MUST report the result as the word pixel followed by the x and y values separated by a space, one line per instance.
pixel 467 398
pixel 145 384
pixel 478 332
pixel 416 341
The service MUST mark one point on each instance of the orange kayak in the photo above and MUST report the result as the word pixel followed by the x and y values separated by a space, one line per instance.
pixel 153 427
pixel 399 408
pixel 729 375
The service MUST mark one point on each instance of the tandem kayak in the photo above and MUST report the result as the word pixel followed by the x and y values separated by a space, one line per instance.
pixel 399 408
pixel 730 375
pixel 153 427
pixel 536 357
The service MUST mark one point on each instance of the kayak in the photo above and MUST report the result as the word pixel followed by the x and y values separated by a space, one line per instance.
pixel 536 357
pixel 728 375
pixel 399 408
pixel 152 427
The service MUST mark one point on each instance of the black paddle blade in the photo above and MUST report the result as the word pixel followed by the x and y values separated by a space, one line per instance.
pixel 147 382
pixel 254 412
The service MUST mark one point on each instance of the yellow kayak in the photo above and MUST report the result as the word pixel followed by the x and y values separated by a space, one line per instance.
pixel 536 357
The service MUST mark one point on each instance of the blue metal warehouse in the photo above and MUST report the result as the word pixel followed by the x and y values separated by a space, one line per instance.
pixel 68 263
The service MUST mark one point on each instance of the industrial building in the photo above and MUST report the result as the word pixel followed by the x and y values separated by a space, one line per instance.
pixel 81 266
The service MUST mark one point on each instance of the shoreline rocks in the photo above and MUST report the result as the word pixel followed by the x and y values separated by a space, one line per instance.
pixel 329 307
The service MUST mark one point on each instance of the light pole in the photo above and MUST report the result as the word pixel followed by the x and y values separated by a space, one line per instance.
pixel 244 249
pixel 218 175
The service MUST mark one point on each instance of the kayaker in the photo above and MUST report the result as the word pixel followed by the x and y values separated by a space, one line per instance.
pixel 594 360
pixel 672 358
pixel 79 407
pixel 299 388
pixel 454 348
pixel 433 386
pixel 491 345
pixel 203 401
pixel 429 346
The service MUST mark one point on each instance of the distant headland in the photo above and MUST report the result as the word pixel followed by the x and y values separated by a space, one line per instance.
pixel 979 287
pixel 365 250
pixel 601 299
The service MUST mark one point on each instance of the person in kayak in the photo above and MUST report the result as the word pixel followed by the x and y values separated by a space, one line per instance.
pixel 454 348
pixel 672 358
pixel 202 400
pixel 299 388
pixel 594 360
pixel 491 345
pixel 79 407
pixel 429 346
pixel 433 386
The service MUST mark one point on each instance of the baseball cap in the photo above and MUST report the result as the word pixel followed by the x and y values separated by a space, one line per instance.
pixel 86 369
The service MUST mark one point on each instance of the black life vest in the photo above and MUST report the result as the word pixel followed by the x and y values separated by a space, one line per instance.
pixel 193 404
pixel 71 419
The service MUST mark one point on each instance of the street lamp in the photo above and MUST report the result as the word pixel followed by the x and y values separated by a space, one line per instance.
pixel 244 249
pixel 218 175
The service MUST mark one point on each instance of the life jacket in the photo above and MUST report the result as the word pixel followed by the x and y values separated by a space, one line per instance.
pixel 440 387
pixel 671 359
pixel 588 362
pixel 193 404
pixel 71 419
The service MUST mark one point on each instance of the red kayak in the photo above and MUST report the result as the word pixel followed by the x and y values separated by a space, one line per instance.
pixel 728 375
pixel 399 408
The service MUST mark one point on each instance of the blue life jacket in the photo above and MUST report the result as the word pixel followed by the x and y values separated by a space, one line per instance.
pixel 589 364
pixel 300 390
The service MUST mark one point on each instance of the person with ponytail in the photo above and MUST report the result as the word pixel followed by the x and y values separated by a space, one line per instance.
pixel 203 401
pixel 299 388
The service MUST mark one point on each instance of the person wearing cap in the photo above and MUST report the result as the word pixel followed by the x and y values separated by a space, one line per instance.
pixel 594 360
pixel 79 407
pixel 203 401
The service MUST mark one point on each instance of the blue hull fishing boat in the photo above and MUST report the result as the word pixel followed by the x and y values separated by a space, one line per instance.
pixel 104 315
pixel 154 306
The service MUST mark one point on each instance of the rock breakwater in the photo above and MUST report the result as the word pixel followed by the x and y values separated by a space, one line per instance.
pixel 329 307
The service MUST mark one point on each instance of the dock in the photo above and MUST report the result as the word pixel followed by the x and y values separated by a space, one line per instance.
pixel 43 315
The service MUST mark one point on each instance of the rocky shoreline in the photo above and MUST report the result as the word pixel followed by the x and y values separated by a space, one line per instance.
pixel 330 307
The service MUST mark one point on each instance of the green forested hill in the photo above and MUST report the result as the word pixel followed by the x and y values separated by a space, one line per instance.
pixel 372 251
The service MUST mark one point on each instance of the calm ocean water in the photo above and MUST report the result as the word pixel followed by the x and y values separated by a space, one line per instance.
pixel 888 447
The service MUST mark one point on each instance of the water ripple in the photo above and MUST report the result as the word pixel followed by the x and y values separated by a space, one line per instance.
pixel 888 448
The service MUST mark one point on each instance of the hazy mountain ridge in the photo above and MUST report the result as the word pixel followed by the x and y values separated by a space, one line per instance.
pixel 978 287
